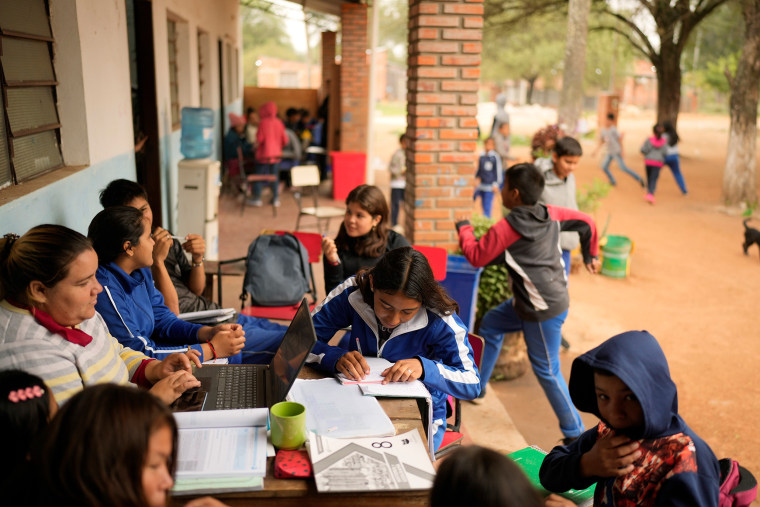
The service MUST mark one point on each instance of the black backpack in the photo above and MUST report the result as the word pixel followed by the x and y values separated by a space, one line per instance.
pixel 277 271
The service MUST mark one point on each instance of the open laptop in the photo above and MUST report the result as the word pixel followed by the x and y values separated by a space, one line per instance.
pixel 233 386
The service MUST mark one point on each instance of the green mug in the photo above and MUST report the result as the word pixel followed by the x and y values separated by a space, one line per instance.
pixel 287 420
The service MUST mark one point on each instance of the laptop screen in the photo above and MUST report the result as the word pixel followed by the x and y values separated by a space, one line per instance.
pixel 297 343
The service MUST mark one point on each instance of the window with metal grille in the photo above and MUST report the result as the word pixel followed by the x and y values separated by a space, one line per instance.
pixel 171 30
pixel 29 123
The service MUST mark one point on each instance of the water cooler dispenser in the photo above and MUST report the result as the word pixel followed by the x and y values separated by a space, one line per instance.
pixel 199 180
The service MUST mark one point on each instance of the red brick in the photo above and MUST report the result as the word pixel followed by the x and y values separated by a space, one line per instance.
pixel 468 99
pixel 424 181
pixel 460 60
pixel 438 47
pixel 424 204
pixel 422 158
pixel 444 225
pixel 433 214
pixel 473 22
pixel 438 21
pixel 456 157
pixel 436 146
pixel 426 33
pixel 433 191
pixel 458 8
pixel 423 85
pixel 472 47
pixel 433 122
pixel 433 168
pixel 423 225
pixel 432 236
pixel 423 60
pixel 468 146
pixel 454 203
pixel 421 110
pixel 471 73
pixel 461 34
pixel 423 134
pixel 460 86
pixel 437 72
pixel 436 98
pixel 467 191
pixel 458 111
pixel 458 134
pixel 428 7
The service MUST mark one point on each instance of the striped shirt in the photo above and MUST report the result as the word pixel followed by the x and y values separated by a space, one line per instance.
pixel 64 366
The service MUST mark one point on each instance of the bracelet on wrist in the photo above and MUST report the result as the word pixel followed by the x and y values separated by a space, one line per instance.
pixel 199 263
pixel 213 350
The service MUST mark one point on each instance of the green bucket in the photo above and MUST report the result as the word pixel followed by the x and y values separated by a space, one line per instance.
pixel 616 252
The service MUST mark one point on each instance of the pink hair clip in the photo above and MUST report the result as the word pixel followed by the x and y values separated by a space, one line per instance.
pixel 28 393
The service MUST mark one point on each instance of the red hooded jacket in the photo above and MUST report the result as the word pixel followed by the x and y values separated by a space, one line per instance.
pixel 271 137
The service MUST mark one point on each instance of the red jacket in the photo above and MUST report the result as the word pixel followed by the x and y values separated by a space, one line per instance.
pixel 271 137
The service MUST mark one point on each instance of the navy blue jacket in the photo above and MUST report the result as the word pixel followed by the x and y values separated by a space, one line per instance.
pixel 676 466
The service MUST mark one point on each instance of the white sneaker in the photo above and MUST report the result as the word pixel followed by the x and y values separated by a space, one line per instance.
pixel 254 202
pixel 276 203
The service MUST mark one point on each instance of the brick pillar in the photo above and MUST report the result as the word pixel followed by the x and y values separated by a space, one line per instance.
pixel 330 86
pixel 328 62
pixel 354 78
pixel 444 71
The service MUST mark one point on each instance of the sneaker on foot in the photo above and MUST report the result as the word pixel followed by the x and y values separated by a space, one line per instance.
pixel 254 202
pixel 649 198
pixel 276 203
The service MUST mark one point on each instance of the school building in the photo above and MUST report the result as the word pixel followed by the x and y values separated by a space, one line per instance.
pixel 93 91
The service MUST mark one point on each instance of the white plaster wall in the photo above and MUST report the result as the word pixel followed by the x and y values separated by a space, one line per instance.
pixel 105 57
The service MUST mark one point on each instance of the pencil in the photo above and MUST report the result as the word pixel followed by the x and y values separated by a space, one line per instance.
pixel 358 346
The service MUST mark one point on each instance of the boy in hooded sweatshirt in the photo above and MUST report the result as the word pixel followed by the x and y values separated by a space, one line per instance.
pixel 641 452
pixel 527 241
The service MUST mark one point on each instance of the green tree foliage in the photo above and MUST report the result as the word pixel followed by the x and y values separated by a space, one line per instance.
pixel 536 47
pixel 393 31
pixel 533 52
pixel 264 34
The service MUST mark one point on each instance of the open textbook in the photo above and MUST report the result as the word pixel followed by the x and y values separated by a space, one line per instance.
pixel 400 462
pixel 221 443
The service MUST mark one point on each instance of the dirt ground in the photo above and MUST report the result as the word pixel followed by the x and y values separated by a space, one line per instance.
pixel 690 285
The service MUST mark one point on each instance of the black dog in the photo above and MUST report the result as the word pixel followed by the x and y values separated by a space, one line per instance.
pixel 751 236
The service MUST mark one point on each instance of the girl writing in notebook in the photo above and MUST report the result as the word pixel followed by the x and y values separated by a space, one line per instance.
pixel 398 311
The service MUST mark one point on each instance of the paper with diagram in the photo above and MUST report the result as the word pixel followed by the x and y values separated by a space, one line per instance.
pixel 400 462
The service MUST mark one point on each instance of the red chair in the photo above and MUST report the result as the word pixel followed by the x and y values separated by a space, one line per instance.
pixel 313 244
pixel 437 258
pixel 453 437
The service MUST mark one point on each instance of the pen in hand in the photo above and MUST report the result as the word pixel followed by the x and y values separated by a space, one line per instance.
pixel 358 346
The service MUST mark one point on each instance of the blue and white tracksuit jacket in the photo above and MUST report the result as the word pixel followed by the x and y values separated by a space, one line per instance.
pixel 438 341
pixel 136 315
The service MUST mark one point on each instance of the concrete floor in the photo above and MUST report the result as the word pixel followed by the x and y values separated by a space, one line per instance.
pixel 486 424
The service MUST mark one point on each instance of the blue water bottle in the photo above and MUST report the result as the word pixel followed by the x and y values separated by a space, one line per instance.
pixel 197 139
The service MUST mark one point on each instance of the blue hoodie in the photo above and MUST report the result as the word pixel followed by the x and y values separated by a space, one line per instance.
pixel 676 466
pixel 136 315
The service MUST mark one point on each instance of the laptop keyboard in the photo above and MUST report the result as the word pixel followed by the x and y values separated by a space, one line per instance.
pixel 236 387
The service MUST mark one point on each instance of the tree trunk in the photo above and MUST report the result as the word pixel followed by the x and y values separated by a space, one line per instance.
pixel 739 176
pixel 531 85
pixel 668 83
pixel 571 97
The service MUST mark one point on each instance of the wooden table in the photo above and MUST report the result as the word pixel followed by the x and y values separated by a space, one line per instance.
pixel 405 415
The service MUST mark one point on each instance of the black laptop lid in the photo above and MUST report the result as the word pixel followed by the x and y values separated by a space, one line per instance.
pixel 296 345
